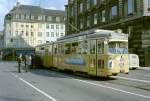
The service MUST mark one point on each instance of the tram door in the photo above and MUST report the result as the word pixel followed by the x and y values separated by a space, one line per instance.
pixel 100 57
pixel 92 58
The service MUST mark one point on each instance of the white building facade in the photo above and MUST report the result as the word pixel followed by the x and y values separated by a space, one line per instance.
pixel 28 26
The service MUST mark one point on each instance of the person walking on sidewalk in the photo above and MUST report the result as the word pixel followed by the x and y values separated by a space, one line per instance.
pixel 19 63
pixel 25 63
pixel 29 61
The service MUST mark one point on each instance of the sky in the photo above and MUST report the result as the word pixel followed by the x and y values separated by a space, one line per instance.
pixel 7 5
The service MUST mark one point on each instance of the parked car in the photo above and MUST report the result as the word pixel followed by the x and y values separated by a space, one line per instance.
pixel 133 61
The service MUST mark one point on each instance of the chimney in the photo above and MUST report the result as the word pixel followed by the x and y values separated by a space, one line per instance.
pixel 18 4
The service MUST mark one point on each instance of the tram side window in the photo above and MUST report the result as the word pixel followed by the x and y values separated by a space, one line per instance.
pixel 74 48
pixel 68 48
pixel 55 49
pixel 92 46
pixel 46 50
pixel 62 49
pixel 42 50
pixel 83 47
pixel 50 49
pixel 100 47
pixel 59 49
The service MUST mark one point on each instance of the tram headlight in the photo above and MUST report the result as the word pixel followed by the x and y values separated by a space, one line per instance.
pixel 110 64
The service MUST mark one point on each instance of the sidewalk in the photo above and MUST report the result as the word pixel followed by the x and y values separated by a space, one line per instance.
pixel 144 68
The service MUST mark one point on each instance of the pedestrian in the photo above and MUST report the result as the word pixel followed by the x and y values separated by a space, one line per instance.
pixel 19 63
pixel 29 62
pixel 25 63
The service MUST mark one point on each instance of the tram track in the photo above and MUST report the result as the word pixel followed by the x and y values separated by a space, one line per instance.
pixel 117 80
pixel 130 82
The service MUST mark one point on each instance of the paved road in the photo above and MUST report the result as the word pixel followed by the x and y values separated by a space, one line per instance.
pixel 46 85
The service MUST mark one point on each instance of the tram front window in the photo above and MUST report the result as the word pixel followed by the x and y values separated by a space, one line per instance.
pixel 118 47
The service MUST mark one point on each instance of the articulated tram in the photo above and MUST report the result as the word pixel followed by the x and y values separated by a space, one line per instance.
pixel 95 52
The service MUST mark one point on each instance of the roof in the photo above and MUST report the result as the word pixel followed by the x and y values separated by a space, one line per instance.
pixel 36 10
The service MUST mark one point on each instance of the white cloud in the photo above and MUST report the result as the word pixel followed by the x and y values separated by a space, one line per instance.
pixel 26 2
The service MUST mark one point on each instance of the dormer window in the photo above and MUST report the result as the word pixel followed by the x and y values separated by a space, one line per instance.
pixel 32 17
pixel 27 16
pixel 17 16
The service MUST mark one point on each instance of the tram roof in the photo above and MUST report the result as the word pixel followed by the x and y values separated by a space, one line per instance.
pixel 95 33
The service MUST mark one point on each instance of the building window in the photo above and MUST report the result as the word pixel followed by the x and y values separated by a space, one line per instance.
pixel 11 40
pixel 22 26
pixel 52 34
pixel 32 26
pixel 40 25
pixel 47 26
pixel 16 33
pixel 43 17
pixel 27 33
pixel 88 21
pixel 32 17
pixel 62 27
pixel 88 4
pixel 49 18
pixel 27 26
pixel 16 24
pixel 22 16
pixel 39 34
pixel 39 41
pixel 61 34
pixel 39 17
pixel 94 2
pixel 57 34
pixel 131 6
pixel 103 16
pixel 32 34
pixel 57 26
pixel 81 23
pixel 148 3
pixel 64 18
pixel 22 32
pixel 113 12
pixel 27 16
pixel 95 18
pixel 72 11
pixel 57 19
pixel 52 26
pixel 47 34
pixel 81 7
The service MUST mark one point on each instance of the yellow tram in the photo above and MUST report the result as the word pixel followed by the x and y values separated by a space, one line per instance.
pixel 95 52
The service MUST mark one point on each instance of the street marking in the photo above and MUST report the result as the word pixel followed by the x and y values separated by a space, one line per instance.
pixel 112 88
pixel 40 91
pixel 131 79
pixel 123 91
pixel 83 81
